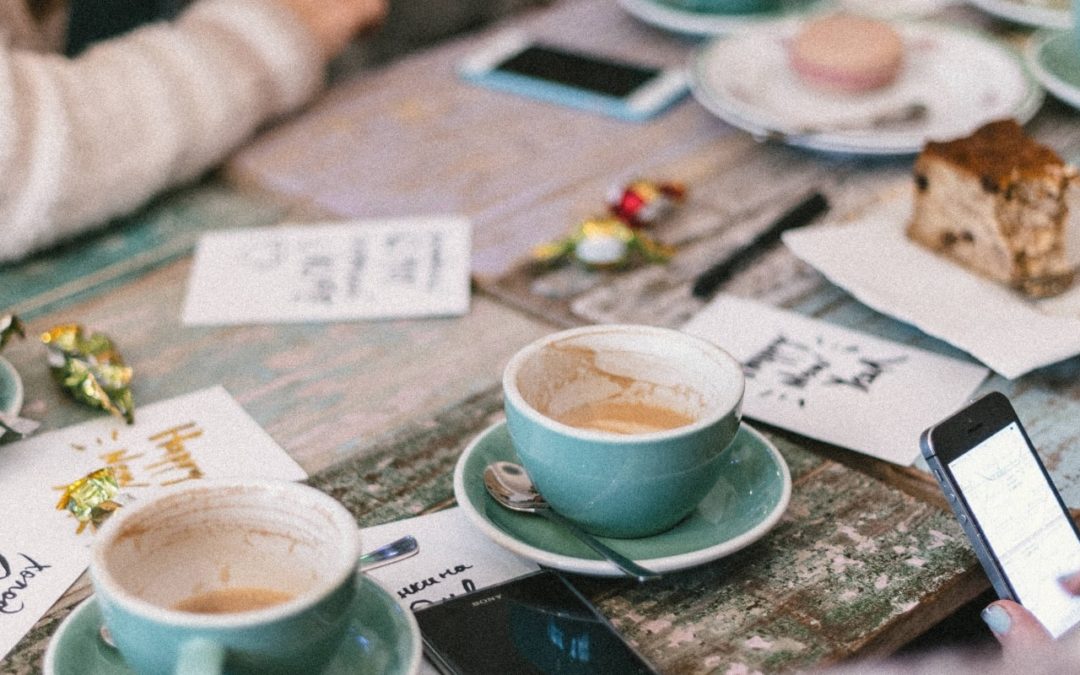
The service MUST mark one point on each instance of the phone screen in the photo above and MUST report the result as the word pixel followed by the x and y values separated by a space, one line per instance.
pixel 581 71
pixel 1023 522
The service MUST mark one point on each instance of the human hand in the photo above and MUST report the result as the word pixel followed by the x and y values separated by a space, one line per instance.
pixel 334 22
pixel 1016 628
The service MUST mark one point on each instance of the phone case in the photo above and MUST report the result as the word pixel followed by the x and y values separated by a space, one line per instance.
pixel 671 86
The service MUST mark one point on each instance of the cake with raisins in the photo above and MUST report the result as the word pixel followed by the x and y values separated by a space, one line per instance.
pixel 1001 204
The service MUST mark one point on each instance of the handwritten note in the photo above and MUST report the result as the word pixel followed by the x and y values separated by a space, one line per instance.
pixel 837 385
pixel 44 550
pixel 454 558
pixel 331 272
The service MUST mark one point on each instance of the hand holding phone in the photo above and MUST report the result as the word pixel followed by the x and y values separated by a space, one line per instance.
pixel 629 91
pixel 1008 506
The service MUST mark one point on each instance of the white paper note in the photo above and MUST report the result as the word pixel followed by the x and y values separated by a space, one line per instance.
pixel 42 552
pixel 331 272
pixel 873 260
pixel 454 558
pixel 837 385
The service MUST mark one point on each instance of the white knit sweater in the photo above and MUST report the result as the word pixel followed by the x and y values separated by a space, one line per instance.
pixel 86 139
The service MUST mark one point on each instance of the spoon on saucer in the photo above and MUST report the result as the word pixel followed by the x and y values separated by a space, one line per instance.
pixel 511 487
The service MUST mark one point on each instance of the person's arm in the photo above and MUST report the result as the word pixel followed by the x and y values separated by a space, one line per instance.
pixel 83 140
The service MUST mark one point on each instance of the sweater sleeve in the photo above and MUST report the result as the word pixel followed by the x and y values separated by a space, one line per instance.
pixel 83 140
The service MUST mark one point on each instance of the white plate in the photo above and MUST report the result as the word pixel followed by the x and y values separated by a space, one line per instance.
pixel 705 23
pixel 1027 13
pixel 11 389
pixel 963 79
pixel 1054 58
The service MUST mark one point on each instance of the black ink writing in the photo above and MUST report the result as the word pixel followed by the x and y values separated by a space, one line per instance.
pixel 871 370
pixel 17 582
pixel 416 587
pixel 789 370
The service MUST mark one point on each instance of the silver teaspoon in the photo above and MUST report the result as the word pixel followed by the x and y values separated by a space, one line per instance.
pixel 511 487
pixel 399 549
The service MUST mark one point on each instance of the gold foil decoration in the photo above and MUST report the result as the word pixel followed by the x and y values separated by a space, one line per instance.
pixel 604 243
pixel 10 326
pixel 91 498
pixel 90 370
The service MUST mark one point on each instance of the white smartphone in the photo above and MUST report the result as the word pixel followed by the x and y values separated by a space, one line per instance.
pixel 631 91
pixel 1008 506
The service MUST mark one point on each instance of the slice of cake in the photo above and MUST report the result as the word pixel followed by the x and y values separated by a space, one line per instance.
pixel 1001 204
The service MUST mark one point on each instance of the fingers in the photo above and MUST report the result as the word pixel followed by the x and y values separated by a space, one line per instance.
pixel 1071 583
pixel 334 22
pixel 1015 628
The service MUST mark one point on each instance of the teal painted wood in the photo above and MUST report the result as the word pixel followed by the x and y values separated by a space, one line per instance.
pixel 126 248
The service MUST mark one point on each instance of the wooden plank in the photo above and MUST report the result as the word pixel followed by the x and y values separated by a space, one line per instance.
pixel 851 559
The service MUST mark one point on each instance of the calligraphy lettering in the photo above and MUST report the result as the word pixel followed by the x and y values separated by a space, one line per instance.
pixel 10 602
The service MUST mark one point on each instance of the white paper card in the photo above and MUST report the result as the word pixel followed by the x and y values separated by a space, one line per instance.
pixel 873 260
pixel 454 558
pixel 203 434
pixel 331 272
pixel 837 385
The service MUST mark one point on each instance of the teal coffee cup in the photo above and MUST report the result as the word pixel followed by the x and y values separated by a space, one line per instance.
pixel 237 576
pixel 623 428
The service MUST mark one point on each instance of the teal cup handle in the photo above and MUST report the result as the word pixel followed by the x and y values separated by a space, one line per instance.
pixel 200 656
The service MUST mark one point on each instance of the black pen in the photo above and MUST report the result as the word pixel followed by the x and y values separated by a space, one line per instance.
pixel 806 210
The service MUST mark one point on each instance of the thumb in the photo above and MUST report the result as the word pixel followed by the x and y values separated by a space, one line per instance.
pixel 1015 628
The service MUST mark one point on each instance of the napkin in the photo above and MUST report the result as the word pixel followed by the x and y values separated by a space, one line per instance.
pixel 873 259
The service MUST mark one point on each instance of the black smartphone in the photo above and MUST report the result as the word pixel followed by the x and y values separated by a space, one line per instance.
pixel 632 91
pixel 1008 506
pixel 536 624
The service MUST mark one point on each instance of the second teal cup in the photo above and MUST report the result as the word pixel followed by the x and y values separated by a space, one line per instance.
pixel 237 576
pixel 623 428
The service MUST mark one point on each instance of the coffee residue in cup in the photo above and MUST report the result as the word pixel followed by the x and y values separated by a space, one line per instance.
pixel 624 417
pixel 232 600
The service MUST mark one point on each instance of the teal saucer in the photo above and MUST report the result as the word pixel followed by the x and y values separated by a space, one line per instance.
pixel 746 503
pixel 11 389
pixel 1054 59
pixel 383 639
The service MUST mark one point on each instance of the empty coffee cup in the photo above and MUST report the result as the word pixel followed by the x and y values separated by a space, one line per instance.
pixel 244 576
pixel 623 427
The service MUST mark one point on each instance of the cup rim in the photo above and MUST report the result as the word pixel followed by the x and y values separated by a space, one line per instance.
pixel 348 548
pixel 513 366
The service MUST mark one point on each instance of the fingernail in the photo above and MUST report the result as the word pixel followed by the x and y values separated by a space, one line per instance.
pixel 1070 582
pixel 997 619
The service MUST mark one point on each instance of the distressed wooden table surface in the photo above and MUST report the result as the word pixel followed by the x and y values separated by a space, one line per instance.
pixel 864 559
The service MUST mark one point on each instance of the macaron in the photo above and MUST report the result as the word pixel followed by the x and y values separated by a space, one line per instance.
pixel 846 53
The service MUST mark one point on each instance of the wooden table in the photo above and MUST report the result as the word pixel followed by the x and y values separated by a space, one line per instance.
pixel 864 560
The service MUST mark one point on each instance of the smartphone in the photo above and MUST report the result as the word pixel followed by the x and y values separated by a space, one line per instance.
pixel 535 624
pixel 1008 506
pixel 630 91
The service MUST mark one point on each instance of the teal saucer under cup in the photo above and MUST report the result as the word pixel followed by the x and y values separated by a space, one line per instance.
pixel 623 485
pixel 220 535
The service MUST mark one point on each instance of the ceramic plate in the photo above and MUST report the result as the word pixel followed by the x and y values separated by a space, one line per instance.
pixel 745 504
pixel 383 639
pixel 1048 14
pixel 1054 57
pixel 706 23
pixel 11 389
pixel 961 78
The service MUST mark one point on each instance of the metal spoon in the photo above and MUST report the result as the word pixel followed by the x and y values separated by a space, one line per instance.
pixel 510 486
pixel 399 549
pixel 908 113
